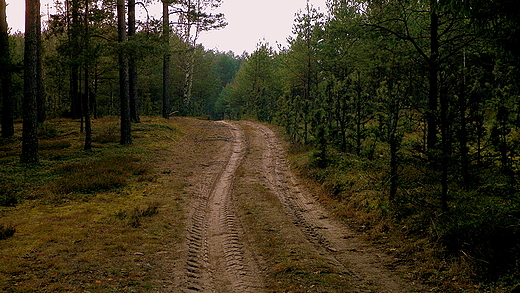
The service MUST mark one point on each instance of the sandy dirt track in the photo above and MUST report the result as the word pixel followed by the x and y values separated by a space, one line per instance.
pixel 220 257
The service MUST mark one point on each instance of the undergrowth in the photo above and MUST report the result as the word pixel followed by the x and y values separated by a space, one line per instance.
pixel 6 231
pixel 135 216
pixel 473 247
pixel 8 196
pixel 96 175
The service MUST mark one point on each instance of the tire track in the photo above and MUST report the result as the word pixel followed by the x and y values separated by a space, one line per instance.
pixel 217 260
pixel 366 266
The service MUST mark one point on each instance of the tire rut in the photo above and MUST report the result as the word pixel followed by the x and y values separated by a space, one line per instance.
pixel 336 242
pixel 217 259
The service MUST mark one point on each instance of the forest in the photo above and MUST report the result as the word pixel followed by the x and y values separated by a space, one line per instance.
pixel 406 112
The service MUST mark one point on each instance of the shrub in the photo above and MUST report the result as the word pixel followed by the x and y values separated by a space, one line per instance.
pixel 97 175
pixel 47 130
pixel 8 196
pixel 6 232
pixel 138 213
pixel 107 135
pixel 487 230
pixel 54 145
pixel 134 217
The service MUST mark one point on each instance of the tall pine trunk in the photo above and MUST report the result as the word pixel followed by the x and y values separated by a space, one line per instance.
pixel 132 66
pixel 86 96
pixel 41 100
pixel 431 114
pixel 446 150
pixel 5 75
pixel 166 61
pixel 463 138
pixel 126 125
pixel 30 111
pixel 74 34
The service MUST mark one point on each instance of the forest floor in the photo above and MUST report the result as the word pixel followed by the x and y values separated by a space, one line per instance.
pixel 216 208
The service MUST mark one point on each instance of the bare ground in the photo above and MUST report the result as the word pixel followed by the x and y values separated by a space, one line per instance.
pixel 252 226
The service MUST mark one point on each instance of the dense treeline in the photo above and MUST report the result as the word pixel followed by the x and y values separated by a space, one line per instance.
pixel 424 90
pixel 95 53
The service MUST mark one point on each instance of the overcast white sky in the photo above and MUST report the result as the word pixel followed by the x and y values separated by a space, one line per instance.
pixel 250 21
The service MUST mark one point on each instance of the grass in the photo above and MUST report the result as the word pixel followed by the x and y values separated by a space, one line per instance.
pixel 58 220
pixel 99 175
pixel 291 266
pixel 134 217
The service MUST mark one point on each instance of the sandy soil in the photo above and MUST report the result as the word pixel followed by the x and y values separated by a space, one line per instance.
pixel 218 255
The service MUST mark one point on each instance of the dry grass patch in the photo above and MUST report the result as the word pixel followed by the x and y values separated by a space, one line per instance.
pixel 68 236
pixel 97 175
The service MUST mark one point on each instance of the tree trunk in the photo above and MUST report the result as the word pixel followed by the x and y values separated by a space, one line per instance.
pixel 394 165
pixel 126 125
pixel 75 108
pixel 463 138
pixel 30 112
pixel 446 151
pixel 433 78
pixel 40 98
pixel 188 81
pixel 394 138
pixel 5 75
pixel 86 96
pixel 74 32
pixel 132 66
pixel 359 120
pixel 166 61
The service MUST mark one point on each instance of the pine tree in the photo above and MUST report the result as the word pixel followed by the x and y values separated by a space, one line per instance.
pixel 30 112
pixel 126 125
pixel 5 75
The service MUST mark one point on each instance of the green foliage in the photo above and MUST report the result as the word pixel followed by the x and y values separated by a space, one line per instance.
pixel 485 229
pixel 256 87
pixel 413 117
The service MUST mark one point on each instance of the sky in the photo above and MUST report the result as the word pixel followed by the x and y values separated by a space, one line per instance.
pixel 249 22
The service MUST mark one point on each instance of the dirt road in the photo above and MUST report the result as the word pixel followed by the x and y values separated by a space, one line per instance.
pixel 251 221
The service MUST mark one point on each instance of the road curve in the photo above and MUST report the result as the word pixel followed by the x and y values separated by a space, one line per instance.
pixel 220 260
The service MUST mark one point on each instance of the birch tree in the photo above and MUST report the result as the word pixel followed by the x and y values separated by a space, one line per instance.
pixel 195 17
